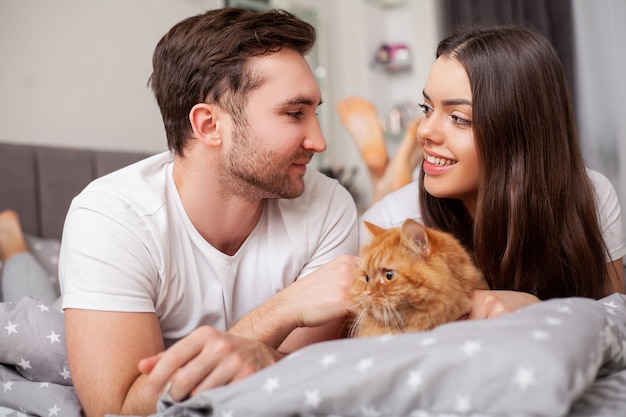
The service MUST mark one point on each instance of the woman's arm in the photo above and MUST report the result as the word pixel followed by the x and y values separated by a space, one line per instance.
pixel 487 304
pixel 616 276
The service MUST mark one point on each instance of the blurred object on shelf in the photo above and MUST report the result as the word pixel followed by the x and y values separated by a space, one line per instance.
pixel 399 118
pixel 347 178
pixel 393 57
pixel 386 4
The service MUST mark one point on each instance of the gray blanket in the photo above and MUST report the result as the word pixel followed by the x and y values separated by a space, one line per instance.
pixel 564 357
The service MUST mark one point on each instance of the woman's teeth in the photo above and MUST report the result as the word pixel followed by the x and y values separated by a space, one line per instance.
pixel 441 162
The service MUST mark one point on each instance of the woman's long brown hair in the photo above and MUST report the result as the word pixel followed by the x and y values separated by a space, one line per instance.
pixel 536 226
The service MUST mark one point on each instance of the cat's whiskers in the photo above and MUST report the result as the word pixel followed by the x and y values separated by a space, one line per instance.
pixel 356 323
pixel 393 320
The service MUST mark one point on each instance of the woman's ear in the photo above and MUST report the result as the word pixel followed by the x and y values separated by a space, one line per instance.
pixel 204 119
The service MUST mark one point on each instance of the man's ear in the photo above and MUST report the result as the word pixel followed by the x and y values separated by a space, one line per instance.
pixel 204 119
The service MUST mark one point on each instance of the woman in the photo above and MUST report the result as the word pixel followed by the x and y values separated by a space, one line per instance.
pixel 22 275
pixel 503 172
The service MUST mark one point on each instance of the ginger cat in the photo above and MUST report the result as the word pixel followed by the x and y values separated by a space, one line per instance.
pixel 412 278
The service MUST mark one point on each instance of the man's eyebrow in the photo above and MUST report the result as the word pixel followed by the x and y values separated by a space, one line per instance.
pixel 451 102
pixel 302 99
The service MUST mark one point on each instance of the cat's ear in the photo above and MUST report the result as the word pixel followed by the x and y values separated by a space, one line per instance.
pixel 415 236
pixel 372 228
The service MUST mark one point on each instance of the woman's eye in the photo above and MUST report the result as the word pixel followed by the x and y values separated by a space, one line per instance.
pixel 389 274
pixel 426 109
pixel 459 121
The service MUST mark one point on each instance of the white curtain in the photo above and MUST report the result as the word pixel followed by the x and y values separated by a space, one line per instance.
pixel 600 43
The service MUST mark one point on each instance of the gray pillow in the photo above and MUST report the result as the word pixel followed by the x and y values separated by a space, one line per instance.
pixel 536 362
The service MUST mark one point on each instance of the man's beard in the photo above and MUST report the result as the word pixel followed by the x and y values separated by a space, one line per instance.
pixel 254 173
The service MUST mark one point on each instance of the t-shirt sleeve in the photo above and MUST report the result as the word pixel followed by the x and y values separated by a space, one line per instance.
pixel 331 223
pixel 391 211
pixel 105 263
pixel 610 217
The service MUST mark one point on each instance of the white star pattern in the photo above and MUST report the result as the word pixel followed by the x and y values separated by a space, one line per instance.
pixel 11 328
pixel 415 379
pixel 524 378
pixel 44 385
pixel 386 337
pixel 43 307
pixel 293 355
pixel 565 310
pixel 53 337
pixel 540 335
pixel 427 341
pixel 227 413
pixel 554 321
pixel 611 304
pixel 369 411
pixel 471 347
pixel 65 374
pixel 313 398
pixel 365 364
pixel 271 384
pixel 7 386
pixel 25 364
pixel 328 360
pixel 462 404
pixel 54 411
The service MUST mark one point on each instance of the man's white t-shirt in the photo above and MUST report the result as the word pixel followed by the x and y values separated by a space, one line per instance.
pixel 394 208
pixel 129 246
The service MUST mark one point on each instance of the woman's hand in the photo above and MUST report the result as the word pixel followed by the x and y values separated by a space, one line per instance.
pixel 487 304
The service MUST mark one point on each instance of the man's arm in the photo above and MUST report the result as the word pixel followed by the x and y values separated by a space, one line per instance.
pixel 103 350
pixel 208 358
pixel 310 310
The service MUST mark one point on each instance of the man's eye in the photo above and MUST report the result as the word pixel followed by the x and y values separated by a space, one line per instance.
pixel 295 114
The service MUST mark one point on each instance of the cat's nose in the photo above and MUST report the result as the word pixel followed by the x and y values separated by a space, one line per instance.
pixel 367 293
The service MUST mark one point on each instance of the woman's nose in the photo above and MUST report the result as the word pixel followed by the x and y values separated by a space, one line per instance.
pixel 429 130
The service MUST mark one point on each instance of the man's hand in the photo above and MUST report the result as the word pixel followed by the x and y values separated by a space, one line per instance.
pixel 205 359
pixel 488 304
pixel 208 358
pixel 324 295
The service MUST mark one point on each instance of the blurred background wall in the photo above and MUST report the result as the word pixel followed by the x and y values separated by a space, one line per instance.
pixel 74 72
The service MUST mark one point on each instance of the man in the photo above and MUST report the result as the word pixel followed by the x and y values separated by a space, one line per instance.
pixel 195 268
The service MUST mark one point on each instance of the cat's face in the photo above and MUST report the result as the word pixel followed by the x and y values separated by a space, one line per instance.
pixel 389 279
pixel 408 272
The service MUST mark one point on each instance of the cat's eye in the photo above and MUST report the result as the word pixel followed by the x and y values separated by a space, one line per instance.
pixel 389 274
pixel 367 278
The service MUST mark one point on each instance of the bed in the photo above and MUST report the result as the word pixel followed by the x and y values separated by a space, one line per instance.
pixel 39 182
pixel 564 357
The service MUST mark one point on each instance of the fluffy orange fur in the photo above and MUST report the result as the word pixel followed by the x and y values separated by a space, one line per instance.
pixel 412 278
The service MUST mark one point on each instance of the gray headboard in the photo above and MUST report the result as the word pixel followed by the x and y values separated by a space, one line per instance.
pixel 39 182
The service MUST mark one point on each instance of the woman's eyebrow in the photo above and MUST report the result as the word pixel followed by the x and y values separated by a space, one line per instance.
pixel 450 102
